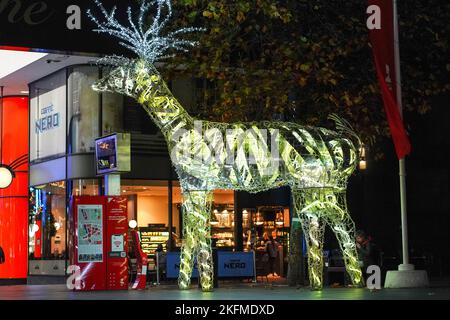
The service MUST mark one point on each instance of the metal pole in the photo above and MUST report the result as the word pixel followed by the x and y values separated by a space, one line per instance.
pixel 157 268
pixel 170 218
pixel 402 166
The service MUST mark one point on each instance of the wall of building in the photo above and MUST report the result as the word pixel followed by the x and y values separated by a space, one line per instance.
pixel 14 199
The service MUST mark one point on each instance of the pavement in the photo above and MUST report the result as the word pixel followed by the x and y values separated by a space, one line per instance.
pixel 237 291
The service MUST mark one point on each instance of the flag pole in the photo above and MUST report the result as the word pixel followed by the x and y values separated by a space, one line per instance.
pixel 402 165
pixel 406 276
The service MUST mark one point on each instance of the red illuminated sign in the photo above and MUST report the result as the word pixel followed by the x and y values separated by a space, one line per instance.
pixel 14 198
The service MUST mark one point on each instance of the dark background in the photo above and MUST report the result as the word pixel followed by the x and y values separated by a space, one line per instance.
pixel 374 196
pixel 53 35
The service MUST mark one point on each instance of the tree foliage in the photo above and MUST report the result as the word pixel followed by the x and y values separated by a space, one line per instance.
pixel 305 59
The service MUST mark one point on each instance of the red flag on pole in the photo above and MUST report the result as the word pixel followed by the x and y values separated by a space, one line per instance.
pixel 382 41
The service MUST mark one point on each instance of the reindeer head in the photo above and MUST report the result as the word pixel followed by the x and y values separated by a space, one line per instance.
pixel 129 76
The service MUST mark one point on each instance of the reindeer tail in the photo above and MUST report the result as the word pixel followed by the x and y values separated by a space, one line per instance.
pixel 345 128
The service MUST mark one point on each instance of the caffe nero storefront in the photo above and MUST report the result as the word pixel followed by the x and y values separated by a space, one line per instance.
pixel 65 118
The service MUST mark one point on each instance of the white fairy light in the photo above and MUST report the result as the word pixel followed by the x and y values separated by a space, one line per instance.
pixel 150 44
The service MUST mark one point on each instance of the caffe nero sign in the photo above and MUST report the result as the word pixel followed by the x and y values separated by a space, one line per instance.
pixel 49 120
pixel 55 25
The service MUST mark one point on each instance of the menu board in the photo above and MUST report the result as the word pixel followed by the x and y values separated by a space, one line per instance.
pixel 150 239
pixel 90 233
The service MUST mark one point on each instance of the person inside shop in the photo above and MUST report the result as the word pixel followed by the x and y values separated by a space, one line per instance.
pixel 264 240
pixel 2 256
pixel 367 251
pixel 160 260
pixel 272 252
pixel 171 243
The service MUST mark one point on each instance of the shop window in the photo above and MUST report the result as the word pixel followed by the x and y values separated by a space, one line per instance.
pixel 136 119
pixel 84 110
pixel 222 219
pixel 47 229
pixel 112 113
pixel 85 187
pixel 148 204
pixel 270 221
pixel 48 117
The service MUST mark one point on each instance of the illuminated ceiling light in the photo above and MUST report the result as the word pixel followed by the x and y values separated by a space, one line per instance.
pixel 259 219
pixel 6 177
pixel 16 60
pixel 57 226
pixel 132 224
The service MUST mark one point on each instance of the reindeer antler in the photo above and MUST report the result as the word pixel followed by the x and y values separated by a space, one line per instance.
pixel 149 44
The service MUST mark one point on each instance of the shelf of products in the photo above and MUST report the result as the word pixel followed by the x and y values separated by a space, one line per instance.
pixel 271 221
pixel 151 237
pixel 257 225
pixel 222 226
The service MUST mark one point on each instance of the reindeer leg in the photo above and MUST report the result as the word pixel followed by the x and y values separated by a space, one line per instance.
pixel 204 253
pixel 197 205
pixel 309 211
pixel 188 246
pixel 343 227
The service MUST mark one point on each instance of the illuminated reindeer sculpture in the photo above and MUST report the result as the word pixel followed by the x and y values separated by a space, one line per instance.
pixel 314 162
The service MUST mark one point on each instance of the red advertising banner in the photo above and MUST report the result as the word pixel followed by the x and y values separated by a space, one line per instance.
pixel 382 41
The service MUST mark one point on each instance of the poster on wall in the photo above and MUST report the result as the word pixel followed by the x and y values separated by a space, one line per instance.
pixel 90 233
pixel 48 117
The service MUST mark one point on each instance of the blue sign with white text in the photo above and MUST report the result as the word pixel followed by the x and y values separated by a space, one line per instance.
pixel 173 265
pixel 235 264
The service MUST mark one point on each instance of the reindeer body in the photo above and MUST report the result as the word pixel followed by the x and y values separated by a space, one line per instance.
pixel 244 159
pixel 314 162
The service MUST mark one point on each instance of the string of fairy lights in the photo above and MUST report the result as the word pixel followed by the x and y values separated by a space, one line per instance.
pixel 149 43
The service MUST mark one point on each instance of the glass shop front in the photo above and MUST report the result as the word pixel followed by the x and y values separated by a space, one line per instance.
pixel 66 116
